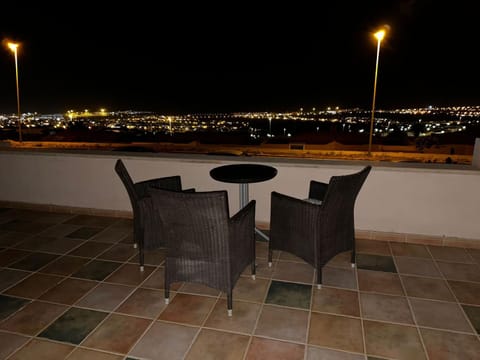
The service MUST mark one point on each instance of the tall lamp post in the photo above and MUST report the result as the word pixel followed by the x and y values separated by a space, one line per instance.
pixel 379 35
pixel 13 47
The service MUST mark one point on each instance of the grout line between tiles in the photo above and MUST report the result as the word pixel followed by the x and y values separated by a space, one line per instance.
pixel 412 313
pixel 364 341
pixel 309 318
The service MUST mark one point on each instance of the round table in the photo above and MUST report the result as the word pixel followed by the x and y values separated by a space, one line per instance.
pixel 244 174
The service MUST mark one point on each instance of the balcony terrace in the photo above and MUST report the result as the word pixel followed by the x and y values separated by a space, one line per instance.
pixel 70 285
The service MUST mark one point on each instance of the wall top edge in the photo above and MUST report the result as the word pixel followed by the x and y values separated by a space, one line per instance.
pixel 206 158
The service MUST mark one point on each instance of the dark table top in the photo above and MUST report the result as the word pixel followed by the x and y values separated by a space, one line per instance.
pixel 243 173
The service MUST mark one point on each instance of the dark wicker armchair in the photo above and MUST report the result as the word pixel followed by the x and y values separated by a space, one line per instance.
pixel 204 245
pixel 321 227
pixel 144 238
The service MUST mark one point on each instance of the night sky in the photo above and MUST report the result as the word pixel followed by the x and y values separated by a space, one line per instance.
pixel 240 56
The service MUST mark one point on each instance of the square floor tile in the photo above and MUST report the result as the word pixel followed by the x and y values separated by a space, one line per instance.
pixel 336 301
pixel 375 262
pixel 32 243
pixel 417 266
pixel 50 244
pixel 84 233
pixel 336 332
pixel 96 270
pixel 9 277
pixel 34 286
pixel 118 252
pixel 373 247
pixel 379 282
pixel 250 290
pixel 266 349
pixel 105 297
pixel 90 249
pixel 59 230
pixel 294 272
pixel 210 344
pixel 33 261
pixel 127 330
pixel 33 317
pixel 427 288
pixel 273 319
pixel 165 341
pixel 188 309
pixel 410 250
pixel 243 320
pixel 23 226
pixel 440 315
pixel 38 349
pixel 466 292
pixel 68 291
pixel 338 277
pixel 112 235
pixel 444 345
pixel 147 303
pixel 289 294
pixel 9 305
pixel 462 272
pixel 385 308
pixel 10 239
pixel 9 343
pixel 379 338
pixel 447 253
pixel 129 274
pixel 10 256
pixel 74 325
pixel 65 265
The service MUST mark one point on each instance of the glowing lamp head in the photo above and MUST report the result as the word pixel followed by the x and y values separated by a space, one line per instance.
pixel 379 35
pixel 13 46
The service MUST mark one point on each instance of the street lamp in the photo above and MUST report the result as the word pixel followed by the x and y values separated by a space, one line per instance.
pixel 13 47
pixel 379 35
pixel 269 126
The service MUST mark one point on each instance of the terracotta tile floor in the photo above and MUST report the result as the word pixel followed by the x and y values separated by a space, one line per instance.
pixel 70 288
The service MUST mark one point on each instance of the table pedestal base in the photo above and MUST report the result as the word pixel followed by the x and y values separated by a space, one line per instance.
pixel 244 201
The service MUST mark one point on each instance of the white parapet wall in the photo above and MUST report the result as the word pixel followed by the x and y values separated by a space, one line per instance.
pixel 440 201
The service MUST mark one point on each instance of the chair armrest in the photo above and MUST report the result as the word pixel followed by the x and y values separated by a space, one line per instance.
pixel 165 183
pixel 241 229
pixel 244 214
pixel 317 190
